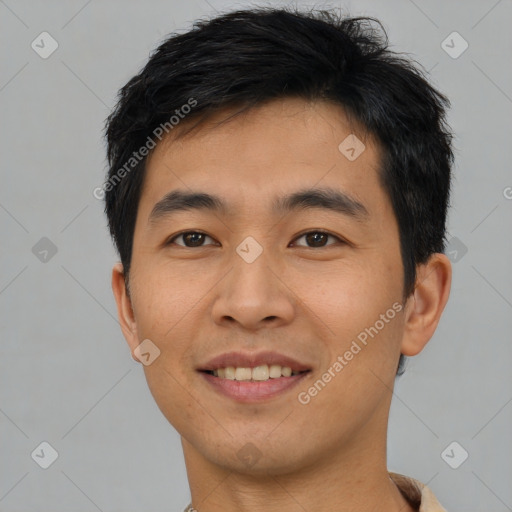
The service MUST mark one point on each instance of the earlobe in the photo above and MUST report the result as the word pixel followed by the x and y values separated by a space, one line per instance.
pixel 124 308
pixel 426 304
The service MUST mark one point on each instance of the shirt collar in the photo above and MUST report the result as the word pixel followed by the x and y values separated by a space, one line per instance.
pixel 417 494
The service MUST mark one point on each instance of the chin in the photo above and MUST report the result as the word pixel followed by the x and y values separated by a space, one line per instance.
pixel 263 466
pixel 257 458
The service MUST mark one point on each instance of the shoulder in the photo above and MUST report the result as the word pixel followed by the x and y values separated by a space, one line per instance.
pixel 418 494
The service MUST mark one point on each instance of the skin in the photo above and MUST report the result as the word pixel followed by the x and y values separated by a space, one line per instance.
pixel 304 301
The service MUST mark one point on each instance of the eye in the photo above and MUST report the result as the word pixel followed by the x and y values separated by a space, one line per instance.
pixel 317 238
pixel 194 238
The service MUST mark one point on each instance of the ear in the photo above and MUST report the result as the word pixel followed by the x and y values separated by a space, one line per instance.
pixel 424 307
pixel 125 309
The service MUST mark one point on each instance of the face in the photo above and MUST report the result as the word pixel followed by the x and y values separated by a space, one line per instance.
pixel 263 282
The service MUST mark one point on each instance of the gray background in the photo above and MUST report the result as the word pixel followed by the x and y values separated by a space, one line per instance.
pixel 65 370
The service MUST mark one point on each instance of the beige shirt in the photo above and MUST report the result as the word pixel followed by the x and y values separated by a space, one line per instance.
pixel 417 494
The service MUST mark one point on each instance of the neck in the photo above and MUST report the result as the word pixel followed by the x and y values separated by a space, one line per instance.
pixel 343 481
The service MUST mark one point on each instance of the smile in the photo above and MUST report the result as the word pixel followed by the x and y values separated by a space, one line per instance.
pixel 252 377
pixel 258 373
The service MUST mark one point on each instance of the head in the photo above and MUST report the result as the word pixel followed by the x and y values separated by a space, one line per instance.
pixel 250 107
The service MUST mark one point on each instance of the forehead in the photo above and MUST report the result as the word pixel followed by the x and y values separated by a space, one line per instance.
pixel 251 159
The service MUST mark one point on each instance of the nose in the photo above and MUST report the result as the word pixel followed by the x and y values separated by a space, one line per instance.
pixel 254 295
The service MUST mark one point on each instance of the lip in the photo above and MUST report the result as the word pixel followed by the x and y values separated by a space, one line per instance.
pixel 253 391
pixel 250 360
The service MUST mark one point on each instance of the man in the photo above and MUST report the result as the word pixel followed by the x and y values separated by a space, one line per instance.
pixel 277 192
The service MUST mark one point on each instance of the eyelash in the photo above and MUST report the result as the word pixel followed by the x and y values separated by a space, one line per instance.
pixel 316 231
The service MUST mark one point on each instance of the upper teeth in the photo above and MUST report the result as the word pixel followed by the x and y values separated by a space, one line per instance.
pixel 264 372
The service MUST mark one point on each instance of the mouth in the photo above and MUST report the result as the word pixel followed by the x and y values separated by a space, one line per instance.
pixel 253 377
pixel 256 374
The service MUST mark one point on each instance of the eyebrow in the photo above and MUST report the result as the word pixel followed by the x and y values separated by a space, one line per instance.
pixel 325 198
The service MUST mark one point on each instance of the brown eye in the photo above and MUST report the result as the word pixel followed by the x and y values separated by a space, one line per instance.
pixel 317 238
pixel 190 238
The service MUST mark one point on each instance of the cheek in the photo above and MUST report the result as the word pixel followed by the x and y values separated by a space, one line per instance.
pixel 174 396
pixel 360 304
pixel 375 313
pixel 349 297
pixel 163 299
pixel 165 303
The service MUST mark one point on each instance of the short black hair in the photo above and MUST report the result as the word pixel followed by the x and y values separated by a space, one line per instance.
pixel 247 57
